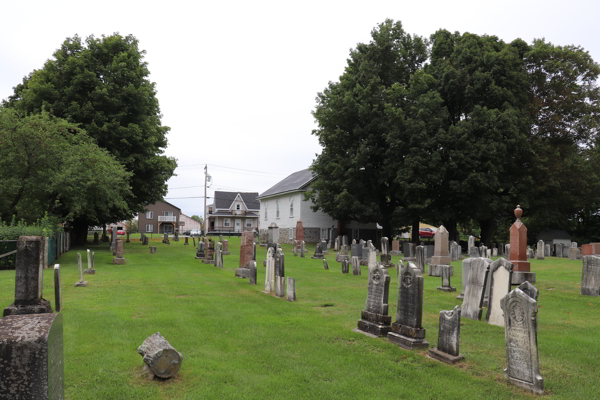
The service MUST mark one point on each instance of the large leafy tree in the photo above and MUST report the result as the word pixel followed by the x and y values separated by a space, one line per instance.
pixel 103 85
pixel 376 127
pixel 484 149
pixel 51 165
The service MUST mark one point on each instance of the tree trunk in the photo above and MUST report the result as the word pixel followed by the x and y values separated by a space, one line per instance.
pixel 79 233
pixel 450 226
pixel 487 227
pixel 415 231
pixel 160 357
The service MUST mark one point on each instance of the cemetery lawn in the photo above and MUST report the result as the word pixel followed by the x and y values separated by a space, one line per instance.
pixel 239 343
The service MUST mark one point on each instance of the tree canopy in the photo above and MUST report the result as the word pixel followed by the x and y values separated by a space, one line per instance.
pixel 51 165
pixel 456 128
pixel 102 84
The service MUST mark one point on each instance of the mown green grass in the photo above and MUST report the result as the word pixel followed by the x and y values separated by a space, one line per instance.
pixel 241 343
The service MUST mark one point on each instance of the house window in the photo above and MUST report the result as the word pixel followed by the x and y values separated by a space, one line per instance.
pixel 237 207
pixel 324 233
pixel 292 233
pixel 168 213
pixel 277 208
pixel 226 222
pixel 248 223
pixel 266 209
pixel 149 227
pixel 149 215
pixel 291 207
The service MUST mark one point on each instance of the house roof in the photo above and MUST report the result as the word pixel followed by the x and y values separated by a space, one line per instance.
pixel 296 181
pixel 162 201
pixel 553 234
pixel 224 199
pixel 230 215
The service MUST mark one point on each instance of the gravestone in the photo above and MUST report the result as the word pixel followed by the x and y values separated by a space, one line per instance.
pixel 219 261
pixel 565 250
pixel 385 257
pixel 500 277
pixel 302 249
pixel 345 240
pixel 90 270
pixel 345 266
pixel 557 249
pixel 318 252
pixel 429 252
pixel 448 345
pixel 146 240
pixel 407 331
pixel 337 244
pixel 113 240
pixel 483 251
pixel 420 259
pixel 540 250
pixel 31 357
pixel 474 252
pixel 185 241
pixel 454 251
pixel 573 252
pixel 176 237
pixel 166 238
pixel 375 319
pixel 518 251
pixel 29 278
pixel 547 250
pixel 291 289
pixel 441 254
pixel 57 289
pixel 343 254
pixel 494 252
pixel 445 275
pixel 520 339
pixel 364 252
pixel 355 266
pixel 279 273
pixel 324 247
pixel 120 253
pixel 252 274
pixel 96 238
pixel 356 249
pixel 372 256
pixel 246 255
pixel 395 248
pixel 153 250
pixel 325 265
pixel 270 272
pixel 471 242
pixel 408 249
pixel 590 276
pixel 475 284
pixel 81 282
pixel 253 251
pixel 209 250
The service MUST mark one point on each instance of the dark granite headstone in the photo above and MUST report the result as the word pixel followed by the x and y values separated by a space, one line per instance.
pixel 520 339
pixel 356 250
pixel 448 347
pixel 407 331
pixel 31 357
pixel 375 319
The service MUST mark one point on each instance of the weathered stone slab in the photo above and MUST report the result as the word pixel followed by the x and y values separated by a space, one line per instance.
pixel 590 276
pixel 420 259
pixel 408 331
pixel 291 289
pixel 446 285
pixel 520 338
pixel 325 264
pixel 500 279
pixel 355 266
pixel 252 273
pixel 540 250
pixel 441 253
pixel 475 283
pixel 31 357
pixel 345 266
pixel 374 318
pixel 448 346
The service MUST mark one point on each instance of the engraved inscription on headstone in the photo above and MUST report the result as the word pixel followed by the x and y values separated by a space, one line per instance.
pixel 375 319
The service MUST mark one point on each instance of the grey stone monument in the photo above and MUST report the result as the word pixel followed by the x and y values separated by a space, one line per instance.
pixel 446 285
pixel 474 252
pixel 520 339
pixel 252 275
pixel 540 250
pixel 375 319
pixel 31 356
pixel 448 346
pixel 291 289
pixel 500 277
pixel 475 283
pixel 318 252
pixel 408 249
pixel 270 272
pixel 355 265
pixel 407 331
pixel 29 278
pixel 547 250
pixel 345 267
pixel 420 259
pixel 81 282
pixel 153 250
pixel 325 265
pixel 219 260
pixel 90 270
pixel 302 249
pixel 558 250
pixel 590 276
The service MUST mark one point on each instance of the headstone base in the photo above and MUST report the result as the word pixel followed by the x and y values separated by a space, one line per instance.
pixel 395 253
pixel 446 289
pixel 409 259
pixel 407 342
pixel 460 296
pixel 118 261
pixel 536 387
pixel 319 257
pixel 89 271
pixel 242 272
pixel 436 269
pixel 209 262
pixel 444 357
pixel 374 328
pixel 81 284
pixel 519 277
pixel 44 307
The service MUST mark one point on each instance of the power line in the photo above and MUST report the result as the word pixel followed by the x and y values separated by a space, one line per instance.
pixel 238 169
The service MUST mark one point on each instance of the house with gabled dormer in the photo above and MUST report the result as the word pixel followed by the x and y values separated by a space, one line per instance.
pixel 233 212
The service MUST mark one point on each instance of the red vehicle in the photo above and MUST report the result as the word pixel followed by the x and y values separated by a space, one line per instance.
pixel 426 232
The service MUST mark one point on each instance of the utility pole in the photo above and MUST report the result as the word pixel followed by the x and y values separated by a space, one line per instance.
pixel 205 213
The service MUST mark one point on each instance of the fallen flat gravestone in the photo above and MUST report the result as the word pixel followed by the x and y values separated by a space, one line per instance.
pixel 160 358
pixel 31 357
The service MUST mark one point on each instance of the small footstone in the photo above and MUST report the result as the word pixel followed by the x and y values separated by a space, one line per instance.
pixel 89 271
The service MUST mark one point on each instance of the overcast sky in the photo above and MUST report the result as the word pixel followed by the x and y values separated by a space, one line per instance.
pixel 237 80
